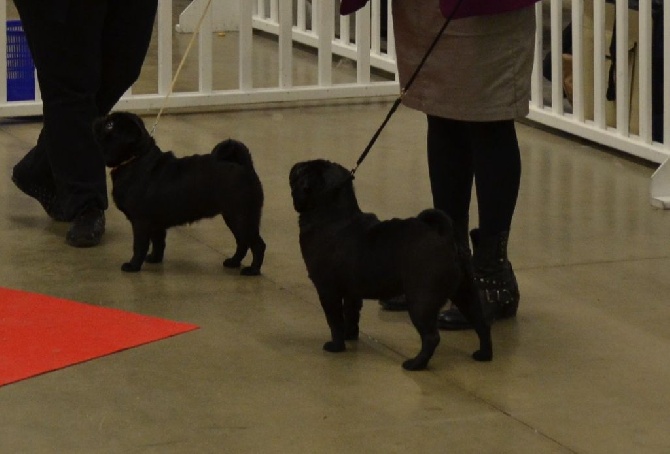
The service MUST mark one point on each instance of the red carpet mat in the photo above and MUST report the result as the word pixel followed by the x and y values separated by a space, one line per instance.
pixel 40 333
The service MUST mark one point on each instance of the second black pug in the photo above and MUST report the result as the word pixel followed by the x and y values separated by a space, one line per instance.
pixel 351 256
pixel 157 190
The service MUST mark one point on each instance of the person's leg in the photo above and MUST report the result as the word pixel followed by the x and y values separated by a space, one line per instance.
pixel 497 170
pixel 33 176
pixel 497 164
pixel 125 41
pixel 451 176
pixel 65 45
pixel 450 168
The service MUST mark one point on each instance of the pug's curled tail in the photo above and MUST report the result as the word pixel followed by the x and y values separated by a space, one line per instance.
pixel 233 151
pixel 438 220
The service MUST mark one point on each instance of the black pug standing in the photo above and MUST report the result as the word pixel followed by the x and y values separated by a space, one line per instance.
pixel 157 190
pixel 351 256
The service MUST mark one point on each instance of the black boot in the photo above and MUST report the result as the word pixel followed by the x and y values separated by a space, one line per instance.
pixel 494 277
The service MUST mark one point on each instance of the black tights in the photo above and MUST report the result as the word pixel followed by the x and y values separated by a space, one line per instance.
pixel 486 152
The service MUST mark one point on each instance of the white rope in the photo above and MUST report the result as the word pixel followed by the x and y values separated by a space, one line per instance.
pixel 196 32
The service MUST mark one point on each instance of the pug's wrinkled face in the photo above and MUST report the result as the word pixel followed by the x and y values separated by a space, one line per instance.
pixel 121 136
pixel 310 181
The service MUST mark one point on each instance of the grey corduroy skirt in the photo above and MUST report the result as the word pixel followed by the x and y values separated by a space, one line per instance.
pixel 480 69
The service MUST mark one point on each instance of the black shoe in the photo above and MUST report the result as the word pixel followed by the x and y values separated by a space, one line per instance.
pixel 397 303
pixel 87 228
pixel 44 195
pixel 453 320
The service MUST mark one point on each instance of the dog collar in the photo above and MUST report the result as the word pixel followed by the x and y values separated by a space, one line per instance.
pixel 127 161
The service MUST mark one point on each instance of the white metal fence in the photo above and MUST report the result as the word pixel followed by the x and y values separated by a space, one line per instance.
pixel 575 100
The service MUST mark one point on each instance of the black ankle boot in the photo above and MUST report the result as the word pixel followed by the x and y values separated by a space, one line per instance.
pixel 493 274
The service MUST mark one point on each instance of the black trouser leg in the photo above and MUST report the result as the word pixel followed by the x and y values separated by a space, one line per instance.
pixel 35 166
pixel 70 41
pixel 125 42
pixel 489 151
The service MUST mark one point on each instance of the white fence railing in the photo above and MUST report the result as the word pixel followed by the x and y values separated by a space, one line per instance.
pixel 366 40
pixel 253 19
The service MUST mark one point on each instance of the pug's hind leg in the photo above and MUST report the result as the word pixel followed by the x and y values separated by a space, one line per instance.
pixel 157 246
pixel 258 254
pixel 424 319
pixel 141 239
pixel 241 245
pixel 236 260
pixel 352 315
pixel 471 307
pixel 485 352
pixel 333 310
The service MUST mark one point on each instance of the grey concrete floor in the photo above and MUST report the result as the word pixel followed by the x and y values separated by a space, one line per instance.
pixel 583 368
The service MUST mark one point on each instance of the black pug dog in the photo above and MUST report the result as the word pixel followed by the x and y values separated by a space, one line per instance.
pixel 157 190
pixel 351 256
